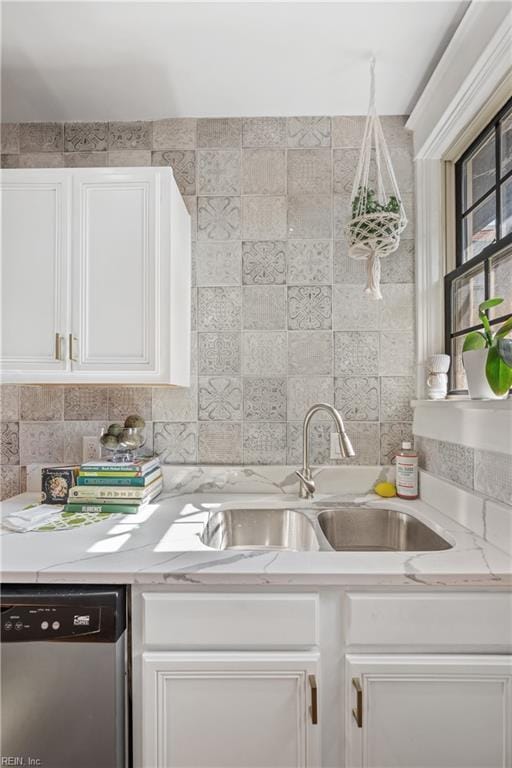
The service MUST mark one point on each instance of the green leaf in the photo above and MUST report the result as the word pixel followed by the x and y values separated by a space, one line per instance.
pixel 487 327
pixel 474 340
pixel 505 329
pixel 505 351
pixel 498 373
pixel 488 305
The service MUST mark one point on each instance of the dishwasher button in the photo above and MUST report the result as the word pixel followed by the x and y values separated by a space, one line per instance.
pixel 56 625
pixel 8 625
pixel 18 625
pixel 44 625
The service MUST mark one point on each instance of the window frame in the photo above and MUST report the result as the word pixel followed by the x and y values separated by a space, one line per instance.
pixel 500 244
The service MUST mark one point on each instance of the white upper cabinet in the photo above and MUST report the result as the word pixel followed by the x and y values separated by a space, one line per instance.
pixel 97 275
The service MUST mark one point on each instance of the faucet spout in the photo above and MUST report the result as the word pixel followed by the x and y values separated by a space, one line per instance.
pixel 307 485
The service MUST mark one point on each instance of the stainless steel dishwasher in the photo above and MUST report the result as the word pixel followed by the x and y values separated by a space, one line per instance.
pixel 63 665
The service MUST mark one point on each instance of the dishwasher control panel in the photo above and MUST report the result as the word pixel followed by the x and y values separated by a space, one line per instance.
pixel 48 622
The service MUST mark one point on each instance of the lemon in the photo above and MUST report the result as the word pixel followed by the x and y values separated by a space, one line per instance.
pixel 385 489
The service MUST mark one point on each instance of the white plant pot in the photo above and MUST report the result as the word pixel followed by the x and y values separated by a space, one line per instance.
pixel 474 361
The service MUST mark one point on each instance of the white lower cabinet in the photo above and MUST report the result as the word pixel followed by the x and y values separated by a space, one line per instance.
pixel 428 711
pixel 229 710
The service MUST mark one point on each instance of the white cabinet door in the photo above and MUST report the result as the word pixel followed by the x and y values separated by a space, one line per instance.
pixel 35 250
pixel 229 710
pixel 116 271
pixel 429 711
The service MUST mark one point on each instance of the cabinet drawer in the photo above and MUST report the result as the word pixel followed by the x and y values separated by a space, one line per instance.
pixel 429 619
pixel 230 620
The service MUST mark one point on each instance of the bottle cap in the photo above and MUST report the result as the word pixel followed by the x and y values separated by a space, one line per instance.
pixel 406 445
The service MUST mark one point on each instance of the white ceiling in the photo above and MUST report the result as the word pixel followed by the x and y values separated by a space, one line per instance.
pixel 138 60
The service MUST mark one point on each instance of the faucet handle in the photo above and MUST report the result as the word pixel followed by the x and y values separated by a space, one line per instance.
pixel 307 485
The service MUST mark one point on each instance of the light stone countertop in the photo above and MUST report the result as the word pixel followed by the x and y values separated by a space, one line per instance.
pixel 161 545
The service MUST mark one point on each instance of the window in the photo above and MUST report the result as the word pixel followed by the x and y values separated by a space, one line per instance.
pixel 483 191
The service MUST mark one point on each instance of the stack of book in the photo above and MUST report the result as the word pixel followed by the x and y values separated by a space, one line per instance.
pixel 115 487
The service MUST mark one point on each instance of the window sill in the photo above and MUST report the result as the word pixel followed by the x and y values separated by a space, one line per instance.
pixel 480 424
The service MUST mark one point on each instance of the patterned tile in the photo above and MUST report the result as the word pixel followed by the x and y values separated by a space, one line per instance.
pixel 493 475
pixel 125 401
pixel 85 159
pixel 191 206
pixel 218 218
pixel 456 463
pixel 9 161
pixel 357 397
pixel 9 482
pixel 309 171
pixel 341 214
pixel 352 309
pixel 396 393
pixel 356 352
pixel 347 270
pixel 309 131
pixel 344 169
pixel 41 137
pixel 220 398
pixel 428 454
pixel 183 164
pixel 9 443
pixel 85 137
pixel 264 443
pixel 263 218
pixel 174 133
pixel 396 354
pixel 9 402
pixel 398 267
pixel 391 438
pixel 40 160
pixel 348 131
pixel 263 262
pixel 309 307
pixel 42 442
pixel 319 443
pixel 403 167
pixel 218 263
pixel 219 132
pixel 74 431
pixel 264 307
pixel 127 158
pixel 219 353
pixel 364 438
pixel 137 134
pixel 264 352
pixel 218 309
pixel 309 352
pixel 305 391
pixel 175 403
pixel 264 132
pixel 263 172
pixel 309 216
pixel 397 307
pixel 219 443
pixel 41 403
pixel 365 442
pixel 10 138
pixel 218 172
pixel 175 443
pixel 265 399
pixel 85 403
pixel 309 261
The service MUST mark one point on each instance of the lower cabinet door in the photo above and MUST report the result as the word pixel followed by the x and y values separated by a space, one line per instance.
pixel 230 710
pixel 428 711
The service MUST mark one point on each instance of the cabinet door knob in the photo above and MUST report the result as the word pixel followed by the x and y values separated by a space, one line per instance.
pixel 358 711
pixel 72 341
pixel 58 346
pixel 314 699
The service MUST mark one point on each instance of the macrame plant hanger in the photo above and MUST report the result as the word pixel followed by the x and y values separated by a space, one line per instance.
pixel 378 215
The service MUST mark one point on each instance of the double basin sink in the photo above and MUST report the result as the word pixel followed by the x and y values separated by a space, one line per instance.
pixel 339 528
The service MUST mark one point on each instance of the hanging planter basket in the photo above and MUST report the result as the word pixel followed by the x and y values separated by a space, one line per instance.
pixel 378 215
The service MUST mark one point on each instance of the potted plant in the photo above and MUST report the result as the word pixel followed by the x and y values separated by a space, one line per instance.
pixel 487 357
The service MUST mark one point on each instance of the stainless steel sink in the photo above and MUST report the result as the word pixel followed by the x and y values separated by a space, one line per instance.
pixel 282 529
pixel 367 530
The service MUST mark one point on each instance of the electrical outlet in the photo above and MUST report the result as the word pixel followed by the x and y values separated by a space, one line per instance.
pixel 90 449
pixel 335 446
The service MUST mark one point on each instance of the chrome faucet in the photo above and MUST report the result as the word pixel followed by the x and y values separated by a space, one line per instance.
pixel 307 484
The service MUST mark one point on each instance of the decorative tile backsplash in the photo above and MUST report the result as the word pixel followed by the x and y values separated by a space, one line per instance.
pixel 279 317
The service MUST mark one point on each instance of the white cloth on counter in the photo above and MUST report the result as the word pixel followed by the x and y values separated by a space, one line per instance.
pixel 28 519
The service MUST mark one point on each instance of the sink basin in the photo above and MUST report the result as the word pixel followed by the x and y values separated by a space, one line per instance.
pixel 380 530
pixel 281 529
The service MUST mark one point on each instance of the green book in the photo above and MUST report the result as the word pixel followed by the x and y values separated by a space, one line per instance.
pixel 138 482
pixel 123 509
